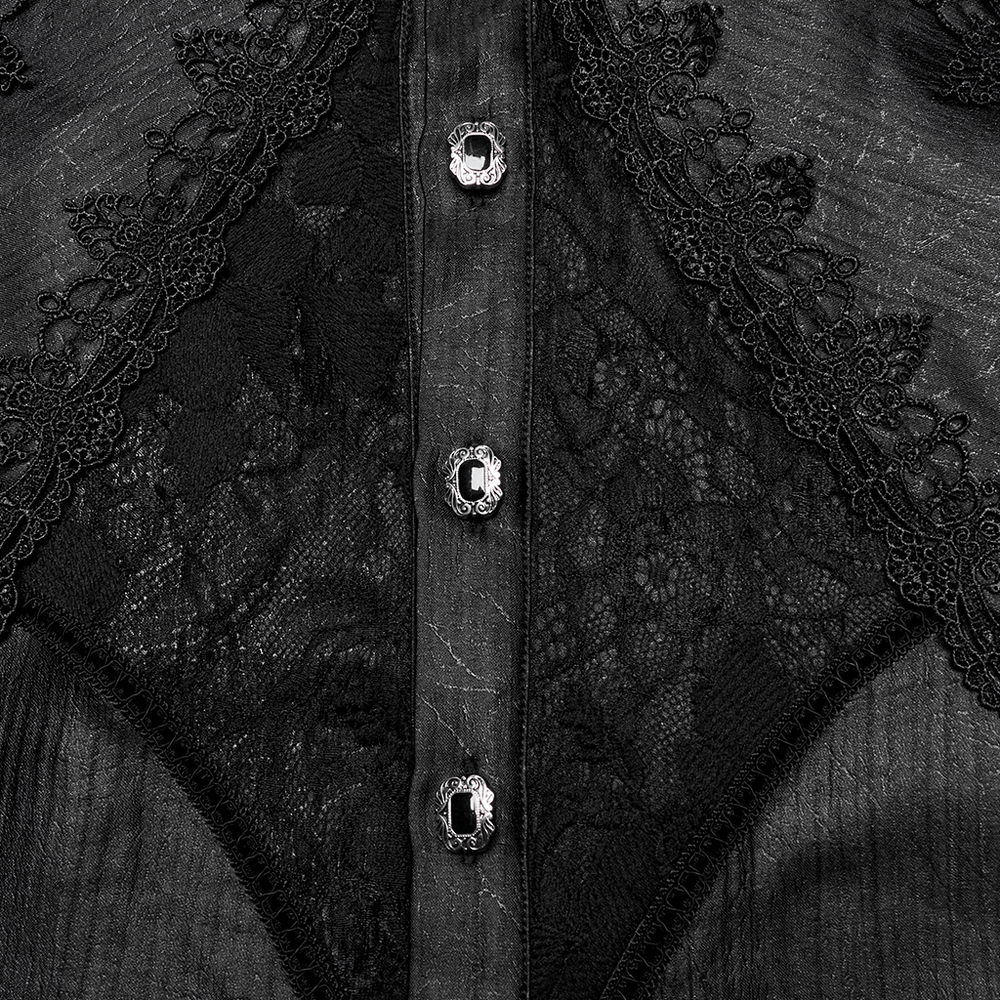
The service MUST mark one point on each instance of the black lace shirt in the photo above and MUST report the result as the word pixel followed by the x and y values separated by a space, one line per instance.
pixel 724 654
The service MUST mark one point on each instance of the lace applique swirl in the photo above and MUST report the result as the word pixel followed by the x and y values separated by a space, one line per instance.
pixel 59 410
pixel 12 69
pixel 973 72
pixel 839 377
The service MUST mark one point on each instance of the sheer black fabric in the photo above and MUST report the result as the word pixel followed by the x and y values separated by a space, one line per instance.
pixel 112 886
pixel 844 888
pixel 759 475
pixel 235 573
pixel 690 597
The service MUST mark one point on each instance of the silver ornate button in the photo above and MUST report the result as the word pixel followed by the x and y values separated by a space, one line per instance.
pixel 465 813
pixel 477 159
pixel 472 477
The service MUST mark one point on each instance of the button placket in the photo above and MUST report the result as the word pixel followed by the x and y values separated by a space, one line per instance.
pixel 468 294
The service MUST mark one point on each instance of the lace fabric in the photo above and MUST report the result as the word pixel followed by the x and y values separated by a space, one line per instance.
pixel 235 574
pixel 783 306
pixel 973 72
pixel 704 598
pixel 157 253
pixel 838 376
pixel 13 72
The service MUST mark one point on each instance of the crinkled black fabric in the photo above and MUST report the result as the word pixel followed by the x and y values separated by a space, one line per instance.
pixel 763 470
pixel 112 885
pixel 841 893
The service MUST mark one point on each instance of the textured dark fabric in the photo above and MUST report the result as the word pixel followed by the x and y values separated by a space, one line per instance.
pixel 112 886
pixel 844 889
pixel 728 650
pixel 469 285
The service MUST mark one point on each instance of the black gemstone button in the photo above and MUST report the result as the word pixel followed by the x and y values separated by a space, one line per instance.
pixel 472 480
pixel 477 154
pixel 478 151
pixel 464 809
pixel 463 816
pixel 472 477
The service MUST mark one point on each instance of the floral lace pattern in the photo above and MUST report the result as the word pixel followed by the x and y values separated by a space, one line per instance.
pixel 242 558
pixel 59 410
pixel 973 73
pixel 839 377
pixel 698 581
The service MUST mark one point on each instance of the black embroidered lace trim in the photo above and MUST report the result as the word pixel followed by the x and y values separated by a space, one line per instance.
pixel 13 72
pixel 661 930
pixel 839 377
pixel 59 410
pixel 302 956
pixel 973 72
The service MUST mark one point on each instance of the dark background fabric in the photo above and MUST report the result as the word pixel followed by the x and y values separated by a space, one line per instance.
pixel 111 886
pixel 238 576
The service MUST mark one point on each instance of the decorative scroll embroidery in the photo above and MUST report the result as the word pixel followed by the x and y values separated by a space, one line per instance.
pixel 839 377
pixel 13 72
pixel 973 74
pixel 59 410
pixel 12 69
